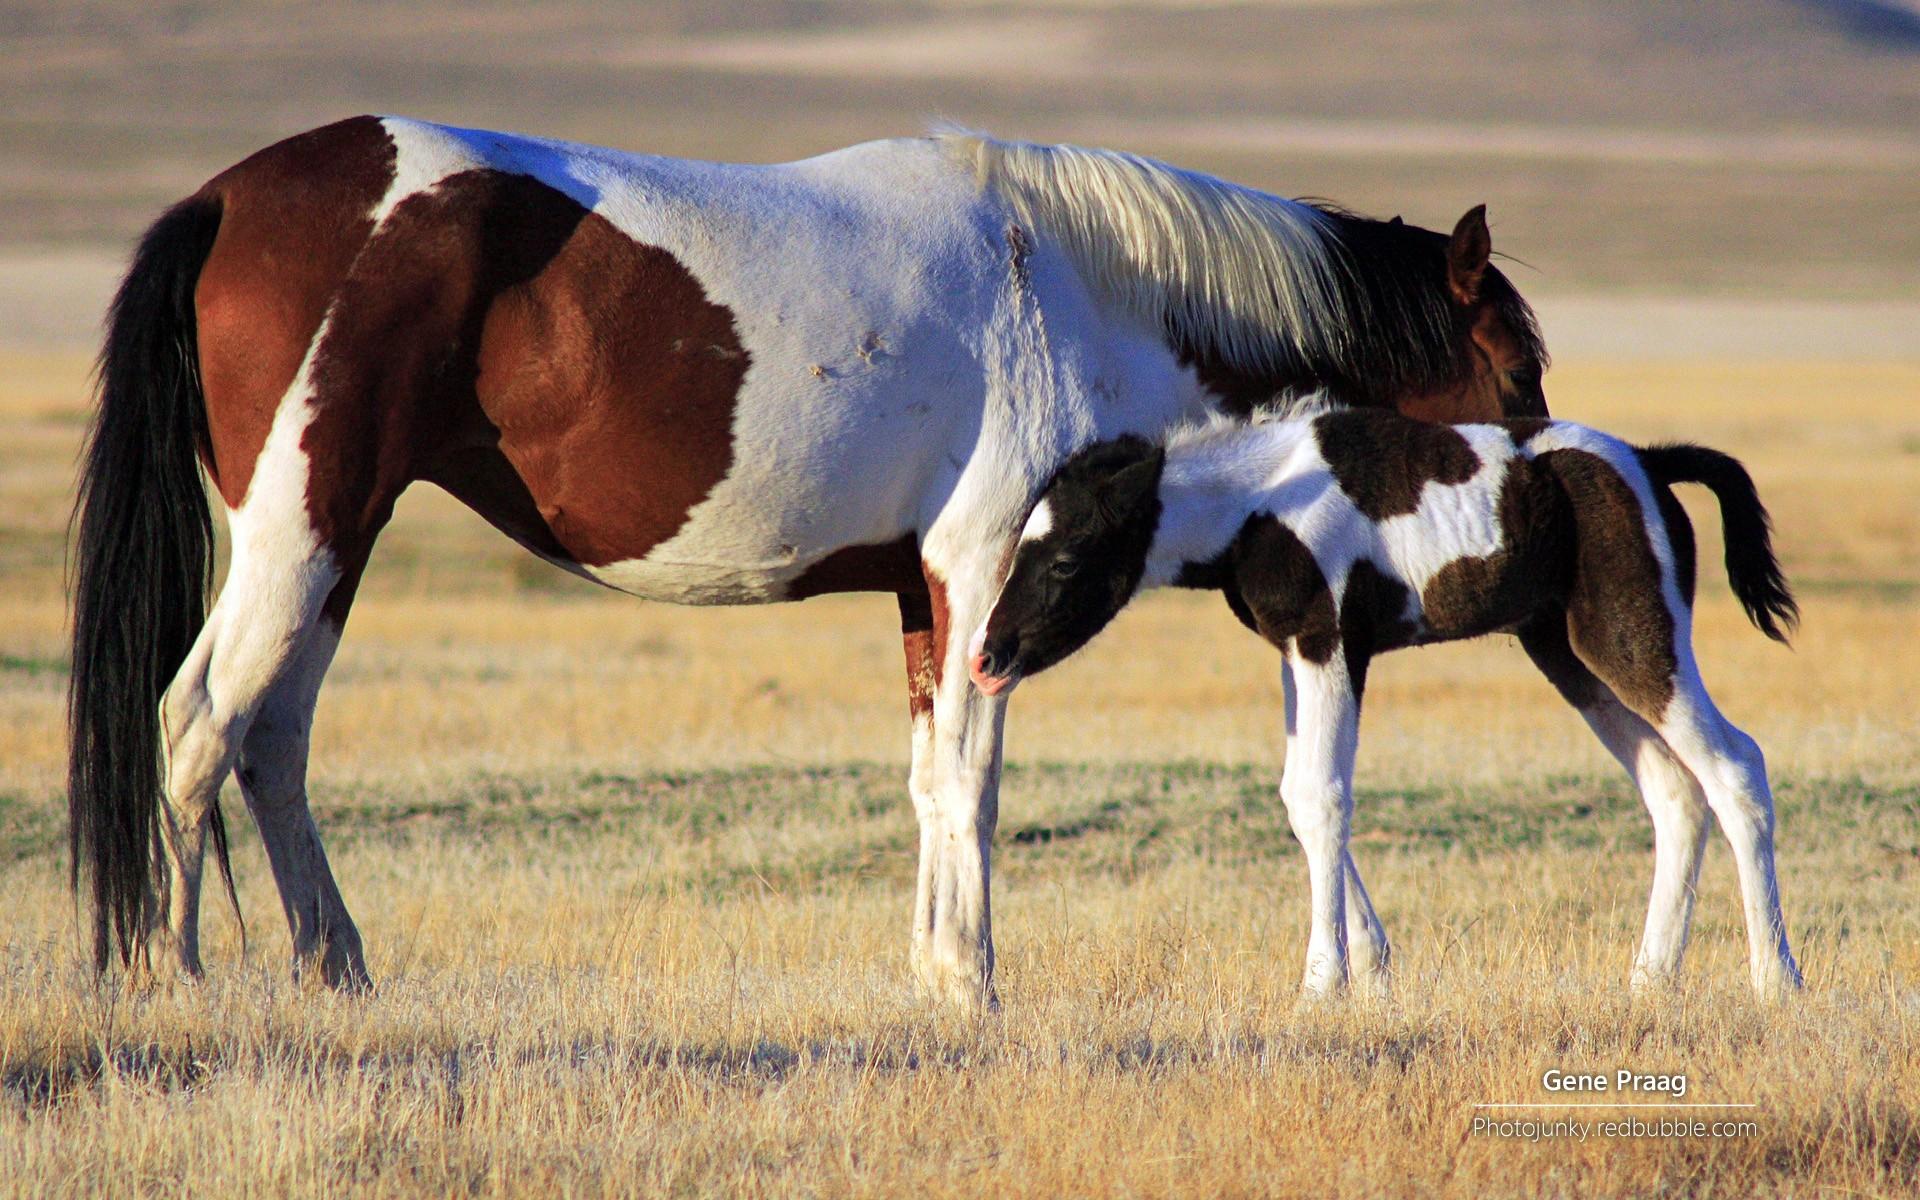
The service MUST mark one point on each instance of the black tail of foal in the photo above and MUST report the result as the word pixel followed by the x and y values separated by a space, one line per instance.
pixel 1751 566
pixel 142 567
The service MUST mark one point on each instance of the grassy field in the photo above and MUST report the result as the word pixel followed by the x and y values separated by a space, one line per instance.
pixel 635 883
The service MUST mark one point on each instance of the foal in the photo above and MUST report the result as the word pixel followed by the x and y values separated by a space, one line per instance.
pixel 1349 534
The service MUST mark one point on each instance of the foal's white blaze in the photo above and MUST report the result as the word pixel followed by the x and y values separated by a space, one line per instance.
pixel 1039 523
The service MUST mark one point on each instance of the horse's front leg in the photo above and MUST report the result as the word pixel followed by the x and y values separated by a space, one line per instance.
pixel 916 634
pixel 953 928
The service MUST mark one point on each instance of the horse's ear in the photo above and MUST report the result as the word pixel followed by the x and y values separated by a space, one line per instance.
pixel 1467 254
pixel 1396 220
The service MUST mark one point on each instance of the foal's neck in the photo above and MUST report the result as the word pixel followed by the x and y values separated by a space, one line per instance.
pixel 1214 479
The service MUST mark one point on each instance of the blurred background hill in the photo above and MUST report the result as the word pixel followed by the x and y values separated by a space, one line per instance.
pixel 1756 158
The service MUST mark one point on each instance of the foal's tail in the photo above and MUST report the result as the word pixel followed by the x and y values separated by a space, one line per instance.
pixel 142 565
pixel 1751 566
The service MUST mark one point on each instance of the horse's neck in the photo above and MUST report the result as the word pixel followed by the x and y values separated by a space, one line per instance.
pixel 1211 485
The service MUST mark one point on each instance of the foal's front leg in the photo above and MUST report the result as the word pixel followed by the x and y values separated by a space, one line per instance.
pixel 1368 949
pixel 1317 787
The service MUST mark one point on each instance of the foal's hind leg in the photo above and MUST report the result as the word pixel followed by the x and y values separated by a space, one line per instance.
pixel 1731 768
pixel 1672 795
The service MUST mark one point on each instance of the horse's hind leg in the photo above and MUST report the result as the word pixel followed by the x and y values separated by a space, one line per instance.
pixel 272 771
pixel 277 583
pixel 1672 795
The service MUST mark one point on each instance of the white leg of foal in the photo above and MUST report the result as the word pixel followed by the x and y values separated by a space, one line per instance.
pixel 1369 953
pixel 272 770
pixel 1316 786
pixel 1733 773
pixel 1678 807
pixel 258 624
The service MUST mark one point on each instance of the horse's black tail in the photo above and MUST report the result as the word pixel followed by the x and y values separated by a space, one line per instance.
pixel 1751 566
pixel 142 566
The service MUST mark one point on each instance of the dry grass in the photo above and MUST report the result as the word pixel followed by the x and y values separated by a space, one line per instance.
pixel 637 893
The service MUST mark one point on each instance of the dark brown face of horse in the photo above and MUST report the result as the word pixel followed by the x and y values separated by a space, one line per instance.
pixel 1499 350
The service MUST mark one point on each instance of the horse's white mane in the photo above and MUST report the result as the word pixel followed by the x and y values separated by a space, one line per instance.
pixel 1251 276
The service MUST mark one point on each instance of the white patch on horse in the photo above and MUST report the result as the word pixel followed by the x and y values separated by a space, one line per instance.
pixel 424 154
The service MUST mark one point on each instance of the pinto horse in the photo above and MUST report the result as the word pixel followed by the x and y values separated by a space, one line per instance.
pixel 1356 533
pixel 695 382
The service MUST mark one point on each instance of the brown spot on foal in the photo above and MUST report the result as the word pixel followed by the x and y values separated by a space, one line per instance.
pixel 1373 618
pixel 1283 589
pixel 1617 619
pixel 1383 463
pixel 1472 596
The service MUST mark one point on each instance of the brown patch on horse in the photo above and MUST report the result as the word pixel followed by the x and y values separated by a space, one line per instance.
pixel 940 620
pixel 572 385
pixel 916 634
pixel 1373 618
pixel 293 217
pixel 1617 616
pixel 878 567
pixel 1472 596
pixel 1283 589
pixel 1383 463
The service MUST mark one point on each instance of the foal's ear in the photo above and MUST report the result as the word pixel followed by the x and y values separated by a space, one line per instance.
pixel 1133 485
pixel 1467 254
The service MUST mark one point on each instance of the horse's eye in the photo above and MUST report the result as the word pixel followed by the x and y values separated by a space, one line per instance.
pixel 1064 568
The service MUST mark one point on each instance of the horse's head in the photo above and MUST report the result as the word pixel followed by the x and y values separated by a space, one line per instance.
pixel 1077 564
pixel 1498 355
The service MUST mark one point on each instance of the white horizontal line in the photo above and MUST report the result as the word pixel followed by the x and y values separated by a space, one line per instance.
pixel 1617 1104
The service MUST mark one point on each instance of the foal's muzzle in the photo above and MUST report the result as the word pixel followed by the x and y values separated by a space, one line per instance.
pixel 992 666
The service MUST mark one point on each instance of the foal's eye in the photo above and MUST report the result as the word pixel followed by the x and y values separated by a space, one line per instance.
pixel 1064 568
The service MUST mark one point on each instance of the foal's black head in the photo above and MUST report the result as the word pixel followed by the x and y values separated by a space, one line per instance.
pixel 1078 563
